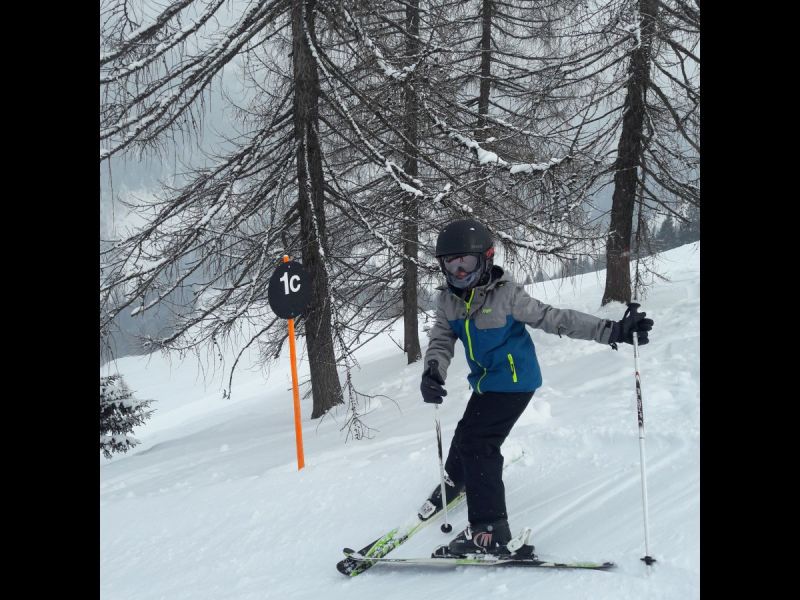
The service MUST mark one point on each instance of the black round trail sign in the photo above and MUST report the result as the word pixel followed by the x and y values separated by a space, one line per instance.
pixel 289 290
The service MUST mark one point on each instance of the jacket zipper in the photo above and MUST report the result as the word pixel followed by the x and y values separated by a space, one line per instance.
pixel 513 368
pixel 469 343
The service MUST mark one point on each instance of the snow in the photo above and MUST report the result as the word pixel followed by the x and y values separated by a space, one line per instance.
pixel 388 70
pixel 531 167
pixel 443 193
pixel 210 505
pixel 487 156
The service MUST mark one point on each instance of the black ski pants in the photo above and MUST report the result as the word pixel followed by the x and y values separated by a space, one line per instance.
pixel 475 459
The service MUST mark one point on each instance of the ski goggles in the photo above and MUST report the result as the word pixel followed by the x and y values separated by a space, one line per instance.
pixel 466 263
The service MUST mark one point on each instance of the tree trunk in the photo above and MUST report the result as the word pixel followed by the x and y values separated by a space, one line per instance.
pixel 629 157
pixel 487 8
pixel 326 390
pixel 410 230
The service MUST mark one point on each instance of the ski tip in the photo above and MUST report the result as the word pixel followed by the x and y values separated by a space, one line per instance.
pixel 348 551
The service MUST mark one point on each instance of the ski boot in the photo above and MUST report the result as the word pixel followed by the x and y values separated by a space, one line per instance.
pixel 434 501
pixel 492 539
pixel 482 538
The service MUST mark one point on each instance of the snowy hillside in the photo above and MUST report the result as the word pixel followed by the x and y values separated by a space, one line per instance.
pixel 211 506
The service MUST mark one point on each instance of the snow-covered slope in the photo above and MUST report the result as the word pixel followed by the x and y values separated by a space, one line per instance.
pixel 211 505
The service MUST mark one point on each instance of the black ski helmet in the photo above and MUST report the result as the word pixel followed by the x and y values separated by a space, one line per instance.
pixel 465 236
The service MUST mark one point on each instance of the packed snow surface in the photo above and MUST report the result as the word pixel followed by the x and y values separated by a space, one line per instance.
pixel 211 505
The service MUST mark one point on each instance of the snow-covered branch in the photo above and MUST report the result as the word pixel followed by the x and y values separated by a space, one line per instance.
pixel 487 157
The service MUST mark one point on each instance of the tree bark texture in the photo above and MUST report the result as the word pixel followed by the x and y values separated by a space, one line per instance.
pixel 325 386
pixel 485 88
pixel 629 158
pixel 410 231
pixel 486 63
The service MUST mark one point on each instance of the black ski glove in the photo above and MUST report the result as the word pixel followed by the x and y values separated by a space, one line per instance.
pixel 432 382
pixel 622 331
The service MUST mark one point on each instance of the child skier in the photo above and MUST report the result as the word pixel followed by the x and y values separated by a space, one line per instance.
pixel 488 312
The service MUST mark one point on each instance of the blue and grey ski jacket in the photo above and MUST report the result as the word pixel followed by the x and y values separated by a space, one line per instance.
pixel 490 321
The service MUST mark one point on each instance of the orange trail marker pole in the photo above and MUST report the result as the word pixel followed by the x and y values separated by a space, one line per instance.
pixel 298 429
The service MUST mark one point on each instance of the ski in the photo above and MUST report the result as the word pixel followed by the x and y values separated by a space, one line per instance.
pixel 380 547
pixel 483 560
pixel 388 542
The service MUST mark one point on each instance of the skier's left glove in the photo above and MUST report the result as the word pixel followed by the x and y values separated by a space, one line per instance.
pixel 622 331
pixel 432 382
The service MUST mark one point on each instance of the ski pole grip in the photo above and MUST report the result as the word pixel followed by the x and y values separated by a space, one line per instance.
pixel 632 309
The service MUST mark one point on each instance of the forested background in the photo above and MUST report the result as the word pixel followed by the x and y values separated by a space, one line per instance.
pixel 345 133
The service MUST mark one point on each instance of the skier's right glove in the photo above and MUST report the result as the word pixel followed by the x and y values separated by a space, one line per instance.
pixel 432 382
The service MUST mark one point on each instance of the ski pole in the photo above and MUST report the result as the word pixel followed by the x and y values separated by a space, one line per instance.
pixel 446 527
pixel 649 560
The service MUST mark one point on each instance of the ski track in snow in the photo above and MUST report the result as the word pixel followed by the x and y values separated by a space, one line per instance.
pixel 211 505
